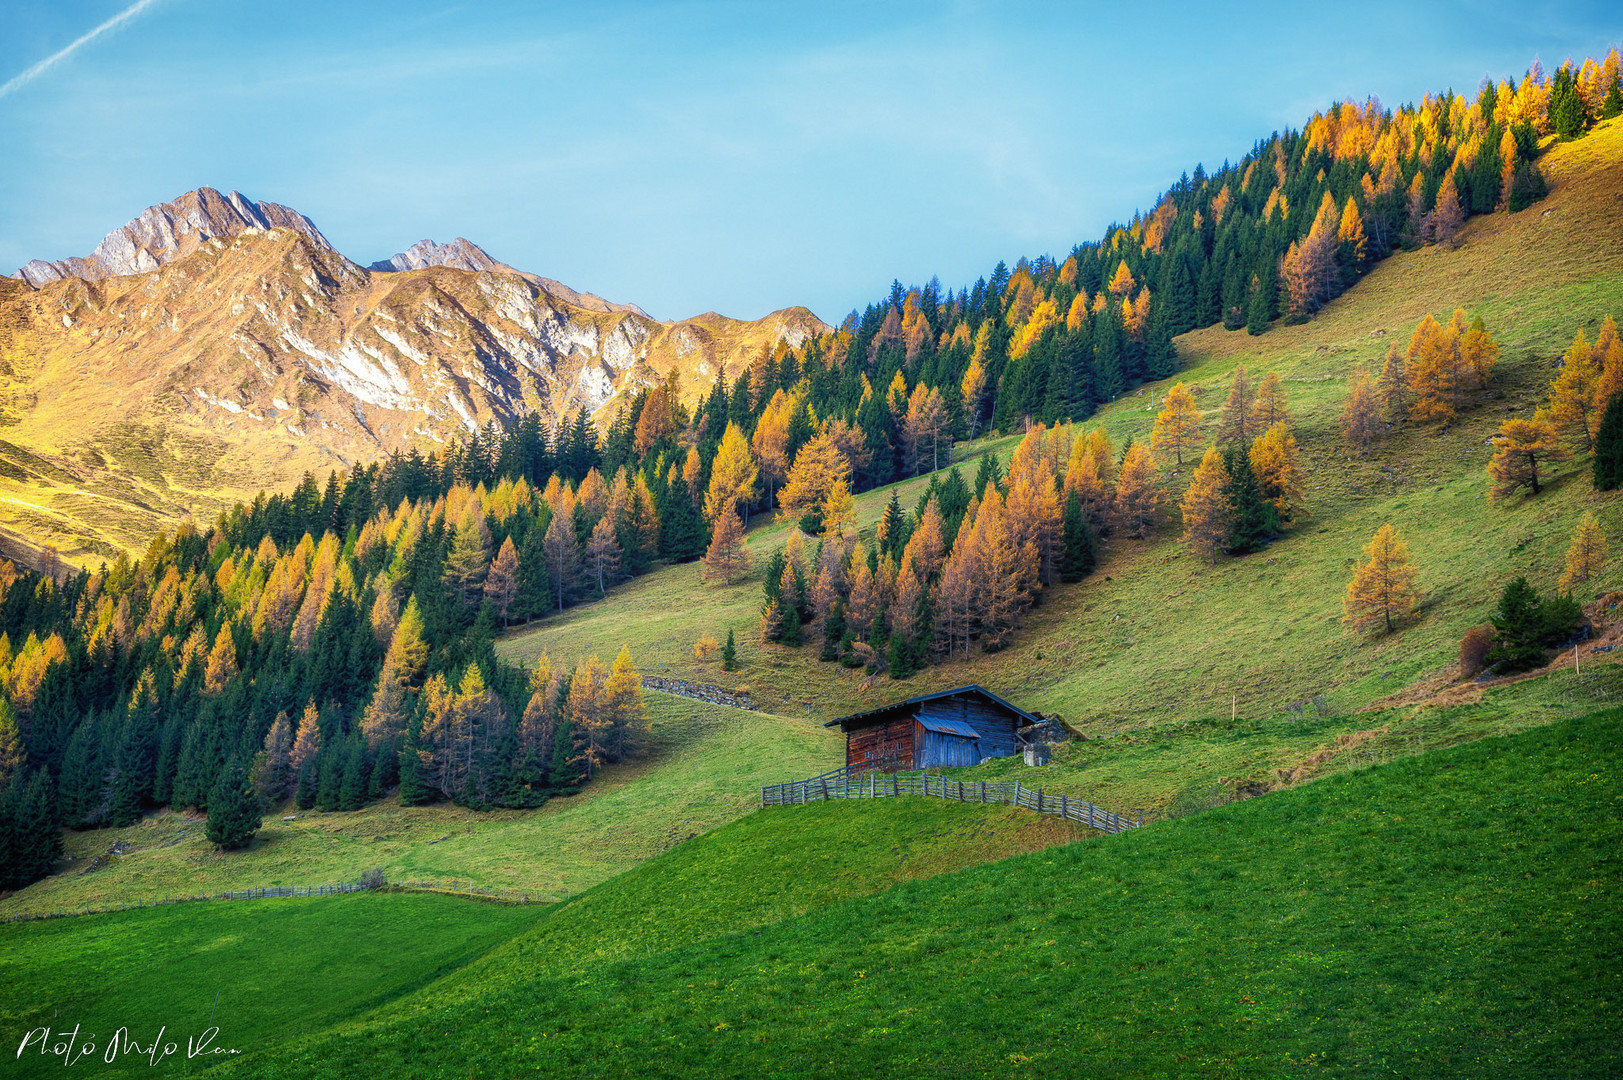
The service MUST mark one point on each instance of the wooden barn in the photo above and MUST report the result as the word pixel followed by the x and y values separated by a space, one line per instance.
pixel 951 728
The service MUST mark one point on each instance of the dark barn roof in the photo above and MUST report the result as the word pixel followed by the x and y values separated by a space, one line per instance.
pixel 874 716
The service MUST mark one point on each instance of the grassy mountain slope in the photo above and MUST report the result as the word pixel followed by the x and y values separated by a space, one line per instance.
pixel 689 895
pixel 705 769
pixel 1450 915
pixel 161 968
pixel 1157 636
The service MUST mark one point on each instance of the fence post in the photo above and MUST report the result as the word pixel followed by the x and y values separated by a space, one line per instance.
pixel 1017 793
pixel 1039 800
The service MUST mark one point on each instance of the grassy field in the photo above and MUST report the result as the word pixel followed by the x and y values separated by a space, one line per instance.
pixel 706 769
pixel 280 968
pixel 1446 915
pixel 1156 636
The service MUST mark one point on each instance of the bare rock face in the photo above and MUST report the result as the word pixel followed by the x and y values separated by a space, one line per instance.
pixel 171 231
pixel 459 254
pixel 216 346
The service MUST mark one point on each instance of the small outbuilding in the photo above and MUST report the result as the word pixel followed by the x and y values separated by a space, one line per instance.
pixel 942 730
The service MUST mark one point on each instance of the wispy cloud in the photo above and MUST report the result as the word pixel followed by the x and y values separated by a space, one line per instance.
pixel 55 58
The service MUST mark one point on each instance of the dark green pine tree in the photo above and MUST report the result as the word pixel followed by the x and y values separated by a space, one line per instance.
pixel 1254 519
pixel 1257 307
pixel 307 784
pixel 790 633
pixel 30 832
pixel 729 653
pixel 1566 104
pixel 1609 445
pixel 330 776
pixel 893 525
pixel 80 778
pixel 990 472
pixel 682 535
pixel 1080 555
pixel 1613 105
pixel 565 769
pixel 137 764
pixel 233 809
pixel 413 791
pixel 357 770
pixel 1519 629
pixel 1108 362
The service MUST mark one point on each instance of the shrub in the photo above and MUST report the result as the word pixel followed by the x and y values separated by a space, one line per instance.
pixel 1474 651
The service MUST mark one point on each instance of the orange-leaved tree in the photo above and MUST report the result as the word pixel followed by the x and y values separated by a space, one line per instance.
pixel 1177 425
pixel 1574 406
pixel 1137 493
pixel 1520 448
pixel 1587 556
pixel 727 557
pixel 1383 590
pixel 1206 506
pixel 1360 413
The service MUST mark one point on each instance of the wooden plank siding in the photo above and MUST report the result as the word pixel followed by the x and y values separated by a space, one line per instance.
pixel 943 751
pixel 887 746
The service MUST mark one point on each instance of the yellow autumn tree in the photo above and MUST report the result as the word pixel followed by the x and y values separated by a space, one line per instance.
pixel 1177 425
pixel 1206 507
pixel 1271 406
pixel 727 558
pixel 818 467
pixel 1433 368
pixel 1519 449
pixel 1574 392
pixel 222 662
pixel 1382 591
pixel 1137 493
pixel 1392 385
pixel 733 475
pixel 1278 466
pixel 1238 425
pixel 1360 414
pixel 1121 282
pixel 1587 556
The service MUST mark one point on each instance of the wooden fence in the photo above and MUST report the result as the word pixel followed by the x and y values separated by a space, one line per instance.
pixel 451 888
pixel 844 784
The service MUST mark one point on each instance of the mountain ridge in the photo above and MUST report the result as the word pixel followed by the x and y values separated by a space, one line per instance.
pixel 243 357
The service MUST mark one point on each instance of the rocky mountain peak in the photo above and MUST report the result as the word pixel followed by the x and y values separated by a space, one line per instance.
pixel 459 254
pixel 171 231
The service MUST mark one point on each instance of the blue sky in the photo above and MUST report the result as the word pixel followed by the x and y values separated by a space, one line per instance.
pixel 736 157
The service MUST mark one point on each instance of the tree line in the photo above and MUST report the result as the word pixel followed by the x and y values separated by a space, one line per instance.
pixel 228 672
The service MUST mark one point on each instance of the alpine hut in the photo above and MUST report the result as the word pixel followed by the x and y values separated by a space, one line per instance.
pixel 945 729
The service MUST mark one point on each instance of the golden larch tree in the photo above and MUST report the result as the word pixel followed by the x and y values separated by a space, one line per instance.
pixel 1382 592
pixel 1177 425
pixel 501 583
pixel 1574 392
pixel 818 467
pixel 1360 413
pixel 1432 368
pixel 733 475
pixel 1205 507
pixel 1271 405
pixel 1278 465
pixel 1587 555
pixel 727 558
pixel 1609 358
pixel 1121 282
pixel 1519 449
pixel 1238 427
pixel 1137 492
pixel 771 441
pixel 1392 385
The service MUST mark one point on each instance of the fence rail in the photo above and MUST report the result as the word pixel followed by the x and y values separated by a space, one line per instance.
pixel 846 784
pixel 450 888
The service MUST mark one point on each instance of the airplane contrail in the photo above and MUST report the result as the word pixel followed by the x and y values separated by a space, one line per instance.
pixel 57 57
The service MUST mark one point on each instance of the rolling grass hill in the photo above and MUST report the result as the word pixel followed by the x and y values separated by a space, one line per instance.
pixel 1446 915
pixel 706 767
pixel 162 968
pixel 1157 637
pixel 142 969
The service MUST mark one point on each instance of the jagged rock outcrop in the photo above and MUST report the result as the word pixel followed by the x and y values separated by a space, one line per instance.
pixel 459 254
pixel 171 231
